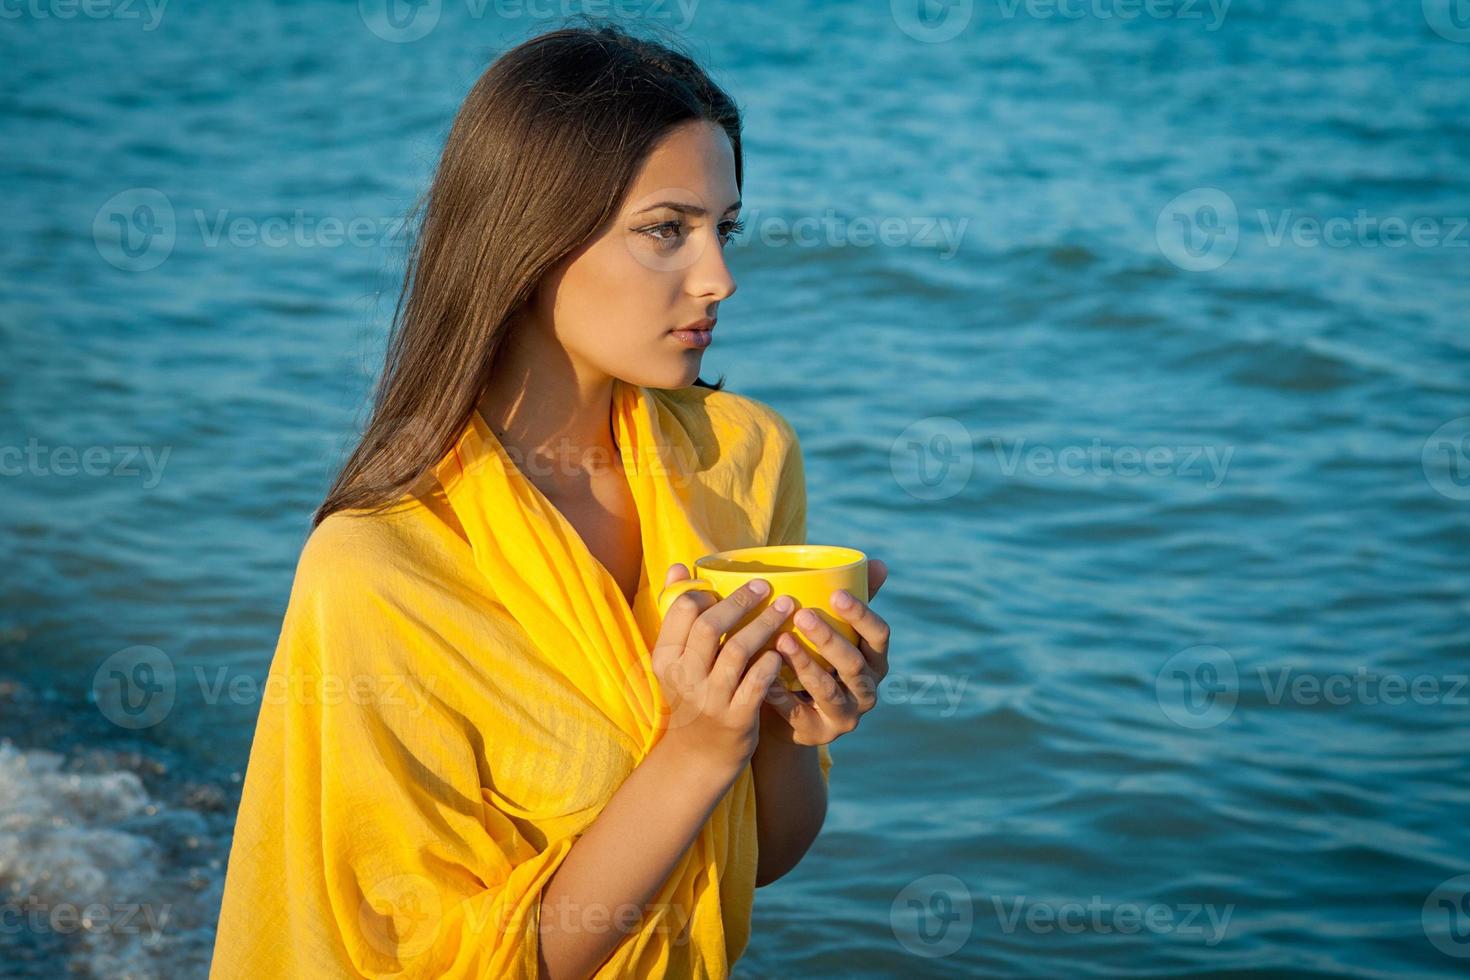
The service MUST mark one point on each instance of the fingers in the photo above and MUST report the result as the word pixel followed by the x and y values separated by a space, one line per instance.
pixel 697 622
pixel 851 664
pixel 742 647
pixel 832 645
pixel 821 686
pixel 702 645
pixel 871 628
pixel 683 612
pixel 758 680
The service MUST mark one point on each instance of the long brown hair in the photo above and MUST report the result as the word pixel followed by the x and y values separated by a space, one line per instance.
pixel 539 157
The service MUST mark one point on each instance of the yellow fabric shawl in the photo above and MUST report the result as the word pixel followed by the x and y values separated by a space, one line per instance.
pixel 460 686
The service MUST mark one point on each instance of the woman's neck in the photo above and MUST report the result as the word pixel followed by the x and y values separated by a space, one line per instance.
pixel 556 425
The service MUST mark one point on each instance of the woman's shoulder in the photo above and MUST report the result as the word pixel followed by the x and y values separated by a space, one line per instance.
pixel 363 578
pixel 361 551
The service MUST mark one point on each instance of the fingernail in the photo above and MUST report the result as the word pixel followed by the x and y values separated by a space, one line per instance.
pixel 759 586
pixel 806 619
pixel 843 599
pixel 783 604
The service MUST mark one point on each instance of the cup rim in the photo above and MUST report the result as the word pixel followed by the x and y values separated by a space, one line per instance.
pixel 861 557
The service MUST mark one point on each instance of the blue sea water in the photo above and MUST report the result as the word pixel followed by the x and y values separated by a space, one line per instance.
pixel 1131 336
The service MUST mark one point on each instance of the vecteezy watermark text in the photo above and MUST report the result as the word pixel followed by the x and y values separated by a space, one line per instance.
pixel 404 21
pixel 1200 687
pixel 1206 921
pixel 1097 459
pixel 934 916
pixel 137 688
pixel 1212 12
pixel 37 459
pixel 1291 685
pixel 1363 230
pixel 934 22
pixel 137 229
pixel 934 458
pixel 1201 230
pixel 121 10
pixel 37 915
pixel 943 234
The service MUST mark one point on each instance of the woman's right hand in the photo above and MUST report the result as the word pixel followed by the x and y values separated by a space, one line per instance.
pixel 715 691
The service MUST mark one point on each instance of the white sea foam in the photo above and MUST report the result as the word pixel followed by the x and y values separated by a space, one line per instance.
pixel 77 862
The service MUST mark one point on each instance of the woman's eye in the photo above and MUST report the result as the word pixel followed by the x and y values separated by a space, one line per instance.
pixel 672 226
pixel 671 231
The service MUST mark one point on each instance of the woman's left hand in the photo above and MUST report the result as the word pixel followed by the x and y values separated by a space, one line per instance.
pixel 831 706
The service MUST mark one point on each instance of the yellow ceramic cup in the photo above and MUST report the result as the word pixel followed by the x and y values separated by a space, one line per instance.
pixel 809 573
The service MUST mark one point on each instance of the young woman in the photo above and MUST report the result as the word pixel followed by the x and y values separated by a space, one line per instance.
pixel 488 754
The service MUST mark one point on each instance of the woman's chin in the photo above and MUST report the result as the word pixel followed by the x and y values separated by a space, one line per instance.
pixel 681 374
pixel 685 371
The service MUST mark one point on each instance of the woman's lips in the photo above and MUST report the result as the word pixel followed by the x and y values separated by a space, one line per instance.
pixel 693 338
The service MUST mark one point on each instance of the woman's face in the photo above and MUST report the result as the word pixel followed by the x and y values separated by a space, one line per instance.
pixel 658 266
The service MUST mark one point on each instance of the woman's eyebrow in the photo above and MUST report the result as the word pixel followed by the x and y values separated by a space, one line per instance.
pixel 683 208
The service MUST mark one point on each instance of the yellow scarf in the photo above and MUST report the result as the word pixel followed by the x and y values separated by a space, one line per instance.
pixel 460 686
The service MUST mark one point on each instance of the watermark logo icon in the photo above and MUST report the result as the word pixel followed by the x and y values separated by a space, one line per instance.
pixel 1198 687
pixel 400 915
pixel 932 21
pixel 664 243
pixel 932 459
pixel 933 915
pixel 135 688
pixel 399 21
pixel 135 230
pixel 1199 230
pixel 1446 459
pixel 1446 917
pixel 1450 19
